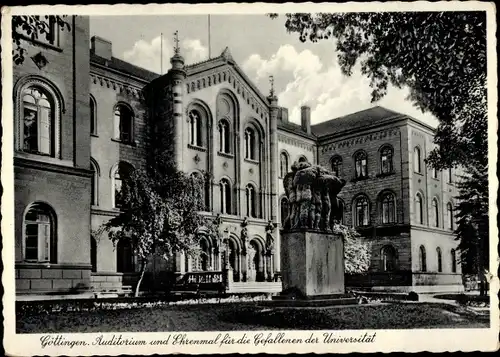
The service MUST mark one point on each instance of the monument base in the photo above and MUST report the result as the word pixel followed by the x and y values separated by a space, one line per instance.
pixel 312 264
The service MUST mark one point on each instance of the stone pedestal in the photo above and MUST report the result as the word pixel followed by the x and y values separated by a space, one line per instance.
pixel 312 264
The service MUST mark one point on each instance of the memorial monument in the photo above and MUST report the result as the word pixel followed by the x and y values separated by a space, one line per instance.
pixel 312 251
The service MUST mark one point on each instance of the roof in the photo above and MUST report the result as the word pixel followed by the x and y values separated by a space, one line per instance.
pixel 294 129
pixel 362 119
pixel 125 67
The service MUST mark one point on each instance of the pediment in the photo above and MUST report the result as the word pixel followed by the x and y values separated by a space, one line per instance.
pixel 223 69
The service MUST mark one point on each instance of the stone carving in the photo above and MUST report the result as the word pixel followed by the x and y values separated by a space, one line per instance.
pixel 244 235
pixel 312 195
pixel 269 238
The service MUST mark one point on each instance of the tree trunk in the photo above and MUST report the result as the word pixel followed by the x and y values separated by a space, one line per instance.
pixel 143 270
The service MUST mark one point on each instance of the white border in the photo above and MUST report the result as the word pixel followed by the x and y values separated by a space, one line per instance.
pixel 441 340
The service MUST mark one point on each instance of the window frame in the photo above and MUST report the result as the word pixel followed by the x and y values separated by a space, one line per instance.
pixel 364 206
pixel 361 156
pixel 422 259
pixel 52 243
pixel 417 160
pixel 284 155
pixel 390 159
pixel 118 132
pixel 391 211
pixel 55 98
pixel 93 115
pixel 336 162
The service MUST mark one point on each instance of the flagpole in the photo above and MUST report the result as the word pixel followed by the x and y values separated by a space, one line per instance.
pixel 161 53
pixel 209 47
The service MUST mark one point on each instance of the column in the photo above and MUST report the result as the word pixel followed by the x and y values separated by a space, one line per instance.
pixel 239 264
pixel 264 258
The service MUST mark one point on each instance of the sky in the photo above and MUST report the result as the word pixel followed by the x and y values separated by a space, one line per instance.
pixel 304 73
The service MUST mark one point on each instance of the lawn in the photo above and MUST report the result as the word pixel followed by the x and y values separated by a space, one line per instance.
pixel 252 316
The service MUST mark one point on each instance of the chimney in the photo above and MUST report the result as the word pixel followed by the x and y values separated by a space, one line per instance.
pixel 283 114
pixel 101 47
pixel 305 118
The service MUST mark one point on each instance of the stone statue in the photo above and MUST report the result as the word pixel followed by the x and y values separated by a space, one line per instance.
pixel 244 235
pixel 312 195
pixel 269 237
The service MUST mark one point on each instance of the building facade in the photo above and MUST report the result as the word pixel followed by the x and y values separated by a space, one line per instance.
pixel 85 118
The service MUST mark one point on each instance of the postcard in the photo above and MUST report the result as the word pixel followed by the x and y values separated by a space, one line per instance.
pixel 249 178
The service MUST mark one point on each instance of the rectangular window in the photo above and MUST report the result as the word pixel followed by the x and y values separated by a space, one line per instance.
pixel 43 29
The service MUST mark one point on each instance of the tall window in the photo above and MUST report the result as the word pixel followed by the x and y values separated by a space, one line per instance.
pixel 361 165
pixel 120 173
pixel 422 259
pixel 251 151
pixel 40 234
pixel 124 123
pixel 435 212
pixel 386 160
pixel 450 175
pixel 362 212
pixel 93 254
pixel 251 201
pixel 93 116
pixel 419 209
pixel 302 159
pixel 194 120
pixel 93 183
pixel 38 127
pixel 340 215
pixel 434 173
pixel 388 208
pixel 283 164
pixel 439 259
pixel 224 137
pixel 200 192
pixel 337 165
pixel 124 257
pixel 225 196
pixel 388 258
pixel 284 209
pixel 417 160
pixel 453 261
pixel 449 210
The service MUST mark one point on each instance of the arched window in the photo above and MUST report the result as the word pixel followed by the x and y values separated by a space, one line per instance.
pixel 449 210
pixel 302 159
pixel 337 165
pixel 200 190
pixel 422 259
pixel 40 241
pixel 38 127
pixel 284 210
pixel 388 258
pixel 283 164
pixel 251 142
pixel 195 122
pixel 439 259
pixel 225 196
pixel 125 262
pixel 453 261
pixel 435 212
pixel 93 116
pixel 94 191
pixel 434 173
pixel 121 172
pixel 386 160
pixel 388 208
pixel 93 254
pixel 251 201
pixel 224 137
pixel 124 123
pixel 417 160
pixel 362 211
pixel 360 163
pixel 419 209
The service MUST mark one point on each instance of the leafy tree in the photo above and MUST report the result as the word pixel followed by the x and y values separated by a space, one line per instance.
pixel 441 58
pixel 472 224
pixel 34 28
pixel 159 214
pixel 357 252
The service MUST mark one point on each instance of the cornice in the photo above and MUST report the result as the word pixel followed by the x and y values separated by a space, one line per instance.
pixel 116 85
pixel 295 142
pixel 360 139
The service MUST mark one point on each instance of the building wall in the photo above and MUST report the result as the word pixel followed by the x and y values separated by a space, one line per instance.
pixel 62 182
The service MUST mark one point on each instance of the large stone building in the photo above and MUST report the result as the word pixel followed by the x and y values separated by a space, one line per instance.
pixel 84 117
